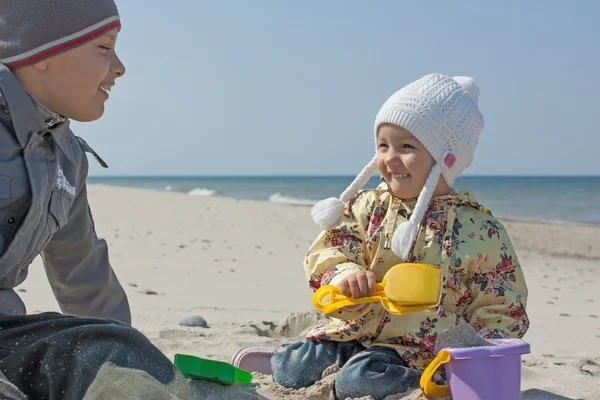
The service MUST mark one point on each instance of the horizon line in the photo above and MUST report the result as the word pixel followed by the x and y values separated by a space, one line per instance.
pixel 331 176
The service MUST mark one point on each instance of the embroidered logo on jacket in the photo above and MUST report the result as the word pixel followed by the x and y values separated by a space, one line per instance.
pixel 63 183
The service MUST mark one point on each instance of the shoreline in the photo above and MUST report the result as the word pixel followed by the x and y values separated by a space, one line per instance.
pixel 558 237
pixel 300 203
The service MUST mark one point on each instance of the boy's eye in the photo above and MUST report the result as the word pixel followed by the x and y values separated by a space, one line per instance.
pixel 383 145
pixel 105 47
pixel 407 146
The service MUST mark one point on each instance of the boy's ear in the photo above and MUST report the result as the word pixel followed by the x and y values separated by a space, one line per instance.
pixel 41 65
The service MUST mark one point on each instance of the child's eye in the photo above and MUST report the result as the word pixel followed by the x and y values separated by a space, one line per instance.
pixel 383 145
pixel 407 146
pixel 105 48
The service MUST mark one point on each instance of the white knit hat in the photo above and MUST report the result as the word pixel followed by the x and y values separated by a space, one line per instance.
pixel 442 113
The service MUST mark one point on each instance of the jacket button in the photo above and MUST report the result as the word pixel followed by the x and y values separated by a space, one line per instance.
pixel 10 220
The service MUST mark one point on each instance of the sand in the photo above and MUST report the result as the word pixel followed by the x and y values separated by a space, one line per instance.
pixel 238 265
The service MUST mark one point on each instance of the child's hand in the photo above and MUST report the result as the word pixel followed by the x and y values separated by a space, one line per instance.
pixel 360 284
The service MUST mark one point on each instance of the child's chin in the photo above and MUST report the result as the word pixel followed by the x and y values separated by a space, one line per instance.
pixel 402 192
pixel 88 115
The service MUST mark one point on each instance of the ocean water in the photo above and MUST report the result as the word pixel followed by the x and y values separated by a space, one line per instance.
pixel 557 199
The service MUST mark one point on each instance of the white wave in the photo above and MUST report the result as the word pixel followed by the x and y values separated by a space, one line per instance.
pixel 279 198
pixel 202 192
pixel 168 188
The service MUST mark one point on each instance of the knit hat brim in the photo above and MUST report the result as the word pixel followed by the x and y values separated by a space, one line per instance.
pixel 63 44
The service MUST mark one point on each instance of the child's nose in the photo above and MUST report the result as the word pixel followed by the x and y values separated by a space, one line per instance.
pixel 393 157
pixel 117 66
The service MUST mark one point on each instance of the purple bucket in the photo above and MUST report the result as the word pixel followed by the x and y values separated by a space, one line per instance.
pixel 479 373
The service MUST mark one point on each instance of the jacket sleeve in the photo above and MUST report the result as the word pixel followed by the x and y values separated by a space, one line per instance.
pixel 340 252
pixel 79 271
pixel 496 284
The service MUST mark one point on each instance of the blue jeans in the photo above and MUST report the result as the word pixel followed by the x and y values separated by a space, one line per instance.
pixel 376 371
pixel 53 356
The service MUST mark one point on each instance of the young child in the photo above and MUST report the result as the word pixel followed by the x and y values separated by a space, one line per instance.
pixel 425 135
pixel 57 62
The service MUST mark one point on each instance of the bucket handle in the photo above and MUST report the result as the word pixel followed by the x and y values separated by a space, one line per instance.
pixel 429 387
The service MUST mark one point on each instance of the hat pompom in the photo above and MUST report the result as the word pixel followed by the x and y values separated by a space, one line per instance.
pixel 403 238
pixel 469 85
pixel 327 212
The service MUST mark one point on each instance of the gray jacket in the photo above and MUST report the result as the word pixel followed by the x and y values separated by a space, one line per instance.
pixel 44 210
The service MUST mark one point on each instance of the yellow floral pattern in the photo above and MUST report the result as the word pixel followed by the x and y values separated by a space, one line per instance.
pixel 483 281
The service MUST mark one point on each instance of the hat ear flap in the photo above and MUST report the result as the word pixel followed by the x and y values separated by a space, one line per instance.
pixel 406 233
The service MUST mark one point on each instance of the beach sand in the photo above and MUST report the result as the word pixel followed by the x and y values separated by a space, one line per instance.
pixel 238 264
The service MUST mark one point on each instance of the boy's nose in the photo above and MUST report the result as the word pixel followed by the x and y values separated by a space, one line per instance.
pixel 117 67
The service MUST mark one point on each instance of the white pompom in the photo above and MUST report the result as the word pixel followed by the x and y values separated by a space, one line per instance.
pixel 469 85
pixel 403 239
pixel 327 212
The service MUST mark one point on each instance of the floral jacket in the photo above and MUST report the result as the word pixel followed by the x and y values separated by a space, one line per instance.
pixel 483 281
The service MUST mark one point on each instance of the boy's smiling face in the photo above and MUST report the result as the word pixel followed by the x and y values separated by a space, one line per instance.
pixel 75 83
pixel 404 162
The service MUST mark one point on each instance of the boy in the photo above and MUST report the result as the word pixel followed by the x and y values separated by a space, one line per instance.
pixel 57 62
pixel 64 67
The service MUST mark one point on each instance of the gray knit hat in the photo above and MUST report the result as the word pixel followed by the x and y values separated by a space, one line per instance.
pixel 32 30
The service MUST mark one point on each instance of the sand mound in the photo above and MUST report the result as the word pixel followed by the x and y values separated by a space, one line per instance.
pixel 297 324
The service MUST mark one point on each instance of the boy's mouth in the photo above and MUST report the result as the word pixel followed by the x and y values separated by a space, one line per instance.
pixel 400 176
pixel 106 87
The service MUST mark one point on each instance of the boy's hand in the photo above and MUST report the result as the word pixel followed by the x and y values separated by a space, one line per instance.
pixel 360 284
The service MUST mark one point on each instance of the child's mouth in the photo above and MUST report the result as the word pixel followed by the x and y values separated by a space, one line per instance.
pixel 400 176
pixel 106 88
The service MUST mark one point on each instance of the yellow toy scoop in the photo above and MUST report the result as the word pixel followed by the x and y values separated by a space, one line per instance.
pixel 405 288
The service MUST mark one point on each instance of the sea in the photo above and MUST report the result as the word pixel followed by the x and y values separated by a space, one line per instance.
pixel 548 199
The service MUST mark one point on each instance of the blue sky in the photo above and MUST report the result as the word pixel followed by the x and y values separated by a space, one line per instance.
pixel 292 88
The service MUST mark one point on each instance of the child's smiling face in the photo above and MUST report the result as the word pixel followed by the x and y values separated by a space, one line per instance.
pixel 75 83
pixel 404 162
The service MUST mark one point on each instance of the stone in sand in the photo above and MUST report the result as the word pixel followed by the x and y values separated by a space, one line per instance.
pixel 194 320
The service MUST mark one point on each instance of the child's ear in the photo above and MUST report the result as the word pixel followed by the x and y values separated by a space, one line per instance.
pixel 41 65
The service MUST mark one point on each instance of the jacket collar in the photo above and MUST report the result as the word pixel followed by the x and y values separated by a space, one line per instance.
pixel 31 116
